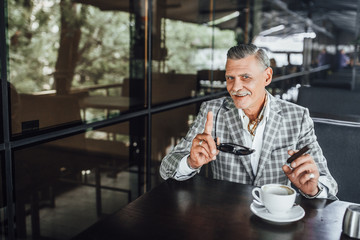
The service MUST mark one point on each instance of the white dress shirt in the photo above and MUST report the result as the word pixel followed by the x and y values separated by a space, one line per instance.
pixel 255 142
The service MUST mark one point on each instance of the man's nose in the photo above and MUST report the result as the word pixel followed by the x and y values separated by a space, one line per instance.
pixel 238 84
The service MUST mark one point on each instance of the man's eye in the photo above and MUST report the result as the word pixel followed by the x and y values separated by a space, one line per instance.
pixel 229 78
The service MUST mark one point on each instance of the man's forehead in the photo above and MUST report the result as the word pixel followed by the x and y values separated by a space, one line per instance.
pixel 240 66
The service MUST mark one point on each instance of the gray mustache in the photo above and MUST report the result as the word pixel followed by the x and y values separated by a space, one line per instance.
pixel 240 93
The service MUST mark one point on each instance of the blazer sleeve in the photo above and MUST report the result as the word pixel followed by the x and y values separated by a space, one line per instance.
pixel 170 162
pixel 308 137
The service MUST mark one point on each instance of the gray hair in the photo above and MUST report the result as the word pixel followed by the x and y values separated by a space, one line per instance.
pixel 244 50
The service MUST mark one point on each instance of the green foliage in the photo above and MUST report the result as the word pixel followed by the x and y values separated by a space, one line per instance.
pixel 190 45
pixel 34 33
pixel 104 48
pixel 34 28
pixel 32 39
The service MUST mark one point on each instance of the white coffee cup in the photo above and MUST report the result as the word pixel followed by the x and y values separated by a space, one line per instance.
pixel 277 198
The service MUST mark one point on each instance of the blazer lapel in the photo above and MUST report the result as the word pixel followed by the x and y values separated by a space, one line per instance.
pixel 234 124
pixel 270 134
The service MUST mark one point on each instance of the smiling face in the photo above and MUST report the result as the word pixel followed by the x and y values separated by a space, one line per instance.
pixel 246 80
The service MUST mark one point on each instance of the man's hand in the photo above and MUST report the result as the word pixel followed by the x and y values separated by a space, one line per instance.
pixel 304 174
pixel 203 148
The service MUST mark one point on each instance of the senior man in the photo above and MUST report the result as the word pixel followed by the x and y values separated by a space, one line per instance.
pixel 248 137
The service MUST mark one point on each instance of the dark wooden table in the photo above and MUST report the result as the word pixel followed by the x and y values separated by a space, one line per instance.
pixel 202 208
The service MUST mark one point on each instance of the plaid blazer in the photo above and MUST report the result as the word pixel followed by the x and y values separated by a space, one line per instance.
pixel 289 126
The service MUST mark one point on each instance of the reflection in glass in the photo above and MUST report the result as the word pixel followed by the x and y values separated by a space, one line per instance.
pixel 63 187
pixel 2 197
pixel 167 130
pixel 69 63
pixel 189 54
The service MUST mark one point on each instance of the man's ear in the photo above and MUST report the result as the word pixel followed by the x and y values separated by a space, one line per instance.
pixel 268 76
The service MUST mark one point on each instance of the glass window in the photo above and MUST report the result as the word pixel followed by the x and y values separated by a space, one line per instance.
pixel 70 63
pixel 64 186
pixel 2 196
pixel 184 57
pixel 167 130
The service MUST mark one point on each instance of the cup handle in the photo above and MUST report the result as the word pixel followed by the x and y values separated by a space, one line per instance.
pixel 256 197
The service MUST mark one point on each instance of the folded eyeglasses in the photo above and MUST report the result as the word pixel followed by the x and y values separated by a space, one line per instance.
pixel 231 147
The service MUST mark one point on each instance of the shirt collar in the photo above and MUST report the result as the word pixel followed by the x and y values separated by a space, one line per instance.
pixel 245 120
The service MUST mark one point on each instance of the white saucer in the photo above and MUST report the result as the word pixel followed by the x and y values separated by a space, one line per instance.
pixel 296 213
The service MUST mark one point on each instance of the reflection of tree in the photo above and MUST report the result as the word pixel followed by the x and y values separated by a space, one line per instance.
pixel 69 46
pixel 62 45
pixel 75 45
pixel 185 43
pixel 26 59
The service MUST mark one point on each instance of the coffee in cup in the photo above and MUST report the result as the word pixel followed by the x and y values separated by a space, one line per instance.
pixel 277 198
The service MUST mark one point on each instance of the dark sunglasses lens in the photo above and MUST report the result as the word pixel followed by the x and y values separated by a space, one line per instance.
pixel 238 150
pixel 244 151
pixel 225 148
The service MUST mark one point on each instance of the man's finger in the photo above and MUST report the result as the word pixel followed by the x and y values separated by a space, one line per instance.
pixel 306 177
pixel 291 152
pixel 286 169
pixel 209 123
